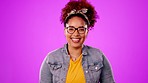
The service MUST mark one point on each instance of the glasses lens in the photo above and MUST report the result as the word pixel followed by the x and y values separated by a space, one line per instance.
pixel 81 30
pixel 70 29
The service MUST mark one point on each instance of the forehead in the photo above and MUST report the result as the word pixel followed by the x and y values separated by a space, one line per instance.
pixel 76 21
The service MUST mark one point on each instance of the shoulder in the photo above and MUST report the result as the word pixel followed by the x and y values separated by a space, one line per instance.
pixel 54 55
pixel 93 50
pixel 55 52
pixel 95 53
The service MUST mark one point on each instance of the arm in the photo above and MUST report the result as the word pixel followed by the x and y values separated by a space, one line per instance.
pixel 45 74
pixel 106 74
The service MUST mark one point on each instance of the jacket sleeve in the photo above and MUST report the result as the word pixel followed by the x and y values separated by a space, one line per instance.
pixel 45 74
pixel 106 74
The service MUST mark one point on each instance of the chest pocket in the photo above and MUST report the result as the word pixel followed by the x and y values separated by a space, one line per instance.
pixel 55 66
pixel 95 71
pixel 55 69
pixel 95 66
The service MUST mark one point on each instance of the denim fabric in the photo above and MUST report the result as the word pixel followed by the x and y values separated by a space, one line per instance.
pixel 96 67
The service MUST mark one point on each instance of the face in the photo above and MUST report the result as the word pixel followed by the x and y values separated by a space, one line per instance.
pixel 76 39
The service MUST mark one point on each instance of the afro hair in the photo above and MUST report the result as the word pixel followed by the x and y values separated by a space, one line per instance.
pixel 78 5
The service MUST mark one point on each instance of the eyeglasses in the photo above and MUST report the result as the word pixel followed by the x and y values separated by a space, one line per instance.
pixel 72 29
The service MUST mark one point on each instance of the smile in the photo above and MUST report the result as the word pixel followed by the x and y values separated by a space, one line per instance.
pixel 76 40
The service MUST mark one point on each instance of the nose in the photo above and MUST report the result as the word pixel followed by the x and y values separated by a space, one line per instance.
pixel 76 33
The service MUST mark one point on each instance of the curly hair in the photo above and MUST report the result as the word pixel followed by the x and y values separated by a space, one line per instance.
pixel 78 5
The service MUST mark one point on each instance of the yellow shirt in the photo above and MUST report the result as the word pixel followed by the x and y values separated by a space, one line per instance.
pixel 75 72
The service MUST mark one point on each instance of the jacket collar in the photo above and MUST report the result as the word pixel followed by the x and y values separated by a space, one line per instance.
pixel 84 49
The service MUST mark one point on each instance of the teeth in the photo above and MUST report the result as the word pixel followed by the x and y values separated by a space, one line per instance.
pixel 75 40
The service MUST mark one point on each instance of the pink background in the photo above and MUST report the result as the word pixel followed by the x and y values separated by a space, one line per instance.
pixel 29 29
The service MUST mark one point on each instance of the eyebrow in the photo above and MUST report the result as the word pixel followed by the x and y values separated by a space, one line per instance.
pixel 85 26
pixel 78 27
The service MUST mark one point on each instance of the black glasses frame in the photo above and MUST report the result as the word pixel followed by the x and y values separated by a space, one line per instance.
pixel 76 29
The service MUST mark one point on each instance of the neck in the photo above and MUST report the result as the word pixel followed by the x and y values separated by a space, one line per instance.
pixel 74 52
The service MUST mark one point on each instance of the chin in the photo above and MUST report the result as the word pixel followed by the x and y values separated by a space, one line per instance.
pixel 76 45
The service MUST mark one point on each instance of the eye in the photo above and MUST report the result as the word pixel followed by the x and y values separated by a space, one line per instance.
pixel 82 29
pixel 71 28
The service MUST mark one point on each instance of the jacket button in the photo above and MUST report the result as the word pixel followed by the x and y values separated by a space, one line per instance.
pixel 63 80
pixel 64 69
pixel 86 71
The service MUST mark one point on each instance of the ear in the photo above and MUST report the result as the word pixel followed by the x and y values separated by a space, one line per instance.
pixel 86 33
pixel 65 32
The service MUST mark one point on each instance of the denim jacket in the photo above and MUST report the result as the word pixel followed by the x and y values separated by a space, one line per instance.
pixel 96 67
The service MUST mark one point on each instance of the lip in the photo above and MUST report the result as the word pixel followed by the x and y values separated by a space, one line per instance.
pixel 76 40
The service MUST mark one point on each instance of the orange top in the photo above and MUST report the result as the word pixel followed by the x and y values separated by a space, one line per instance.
pixel 75 72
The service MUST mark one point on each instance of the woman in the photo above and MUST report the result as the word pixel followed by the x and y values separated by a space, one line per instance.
pixel 75 62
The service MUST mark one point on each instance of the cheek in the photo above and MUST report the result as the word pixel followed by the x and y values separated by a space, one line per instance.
pixel 67 35
pixel 85 35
